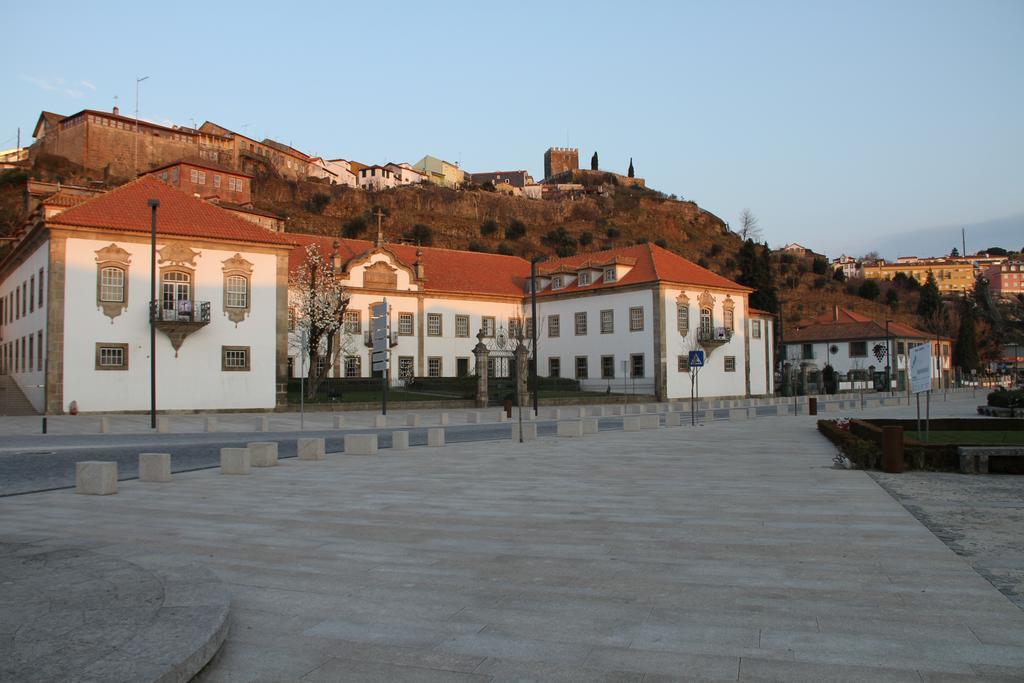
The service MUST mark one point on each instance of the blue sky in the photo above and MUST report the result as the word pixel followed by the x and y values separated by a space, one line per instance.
pixel 837 124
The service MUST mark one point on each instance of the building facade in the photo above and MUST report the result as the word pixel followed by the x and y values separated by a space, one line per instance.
pixel 440 172
pixel 953 274
pixel 558 160
pixel 207 180
pixel 1006 279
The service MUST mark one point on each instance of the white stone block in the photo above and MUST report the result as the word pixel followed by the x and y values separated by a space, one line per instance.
pixel 104 426
pixel 400 441
pixel 310 449
pixel 673 419
pixel 263 453
pixel 502 416
pixel 634 409
pixel 570 428
pixel 435 437
pixel 833 407
pixel 380 420
pixel 442 419
pixel 650 421
pixel 96 477
pixel 263 424
pixel 163 425
pixel 614 411
pixel 235 461
pixel 631 423
pixel 589 425
pixel 652 408
pixel 529 431
pixel 472 418
pixel 558 414
pixel 598 411
pixel 339 421
pixel 360 444
pixel 737 413
pixel 155 467
pixel 412 420
pixel 211 424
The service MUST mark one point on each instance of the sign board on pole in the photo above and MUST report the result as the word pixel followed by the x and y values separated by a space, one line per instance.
pixel 920 368
pixel 696 359
pixel 380 336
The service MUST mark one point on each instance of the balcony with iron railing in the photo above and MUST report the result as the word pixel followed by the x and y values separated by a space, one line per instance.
pixel 714 336
pixel 179 319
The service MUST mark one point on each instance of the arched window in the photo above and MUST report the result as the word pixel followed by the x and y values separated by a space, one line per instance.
pixel 112 284
pixel 705 322
pixel 237 291
pixel 177 292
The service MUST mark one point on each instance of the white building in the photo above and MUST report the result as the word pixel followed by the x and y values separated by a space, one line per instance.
pixel 342 172
pixel 848 264
pixel 405 174
pixel 76 306
pixel 625 318
pixel 376 178
pixel 857 348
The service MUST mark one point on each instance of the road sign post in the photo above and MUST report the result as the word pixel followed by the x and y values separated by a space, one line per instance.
pixel 696 362
pixel 921 381
pixel 381 336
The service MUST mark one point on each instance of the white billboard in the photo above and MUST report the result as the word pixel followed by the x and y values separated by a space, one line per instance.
pixel 920 368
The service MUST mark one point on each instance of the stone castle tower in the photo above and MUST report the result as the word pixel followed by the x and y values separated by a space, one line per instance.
pixel 560 159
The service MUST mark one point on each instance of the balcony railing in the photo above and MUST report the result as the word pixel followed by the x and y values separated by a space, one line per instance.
pixel 183 311
pixel 719 335
pixel 368 340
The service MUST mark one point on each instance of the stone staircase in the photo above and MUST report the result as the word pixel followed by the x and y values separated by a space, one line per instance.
pixel 12 400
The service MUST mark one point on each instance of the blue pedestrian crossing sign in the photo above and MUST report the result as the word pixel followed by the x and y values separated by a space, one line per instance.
pixel 696 359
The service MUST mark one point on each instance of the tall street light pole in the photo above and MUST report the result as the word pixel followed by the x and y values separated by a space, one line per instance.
pixel 888 359
pixel 533 332
pixel 153 309
pixel 135 159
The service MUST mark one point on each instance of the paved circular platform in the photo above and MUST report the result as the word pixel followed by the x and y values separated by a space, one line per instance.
pixel 71 612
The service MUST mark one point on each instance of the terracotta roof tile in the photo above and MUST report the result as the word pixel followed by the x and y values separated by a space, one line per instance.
pixel 127 209
pixel 844 324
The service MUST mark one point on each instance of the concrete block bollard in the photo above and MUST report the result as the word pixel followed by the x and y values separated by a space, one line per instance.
pixel 412 420
pixel 649 421
pixel 631 423
pixel 310 449
pixel 339 422
pixel 442 419
pixel 360 444
pixel 673 419
pixel 473 418
pixel 570 428
pixel 614 411
pixel 163 425
pixel 400 441
pixel 104 425
pixel 263 424
pixel 155 467
pixel 597 411
pixel 235 461
pixel 556 414
pixel 634 409
pixel 380 421
pixel 589 425
pixel 96 477
pixel 737 414
pixel 502 416
pixel 435 437
pixel 529 431
pixel 651 408
pixel 263 453
pixel 211 424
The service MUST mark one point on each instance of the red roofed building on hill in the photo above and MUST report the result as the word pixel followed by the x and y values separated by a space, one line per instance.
pixel 858 348
pixel 624 318
pixel 75 307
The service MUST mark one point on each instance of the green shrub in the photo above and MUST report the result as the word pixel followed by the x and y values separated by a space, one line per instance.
pixel 1005 398
pixel 862 453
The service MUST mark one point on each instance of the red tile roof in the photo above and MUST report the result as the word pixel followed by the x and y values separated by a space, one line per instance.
pixel 843 324
pixel 127 209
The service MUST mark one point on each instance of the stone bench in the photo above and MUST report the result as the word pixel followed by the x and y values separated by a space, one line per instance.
pixel 738 414
pixel 360 444
pixel 473 418
pixel 338 421
pixel 975 459
pixel 590 425
pixel 380 421
pixel 412 420
pixel 529 431
pixel 263 453
pixel 649 421
pixel 435 437
pixel 310 449
pixel 104 425
pixel 263 424
pixel 163 425
pixel 235 461
pixel 211 424
pixel 442 419
pixel 631 423
pixel 673 419
pixel 570 428
pixel 400 441
pixel 634 409
pixel 155 467
pixel 96 477
pixel 613 411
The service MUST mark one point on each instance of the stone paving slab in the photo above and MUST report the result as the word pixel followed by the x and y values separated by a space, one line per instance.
pixel 728 551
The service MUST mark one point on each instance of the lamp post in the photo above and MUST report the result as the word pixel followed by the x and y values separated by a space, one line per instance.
pixel 782 352
pixel 135 158
pixel 153 309
pixel 533 332
pixel 888 359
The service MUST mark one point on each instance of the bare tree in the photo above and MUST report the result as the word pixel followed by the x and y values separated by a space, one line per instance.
pixel 749 228
pixel 319 301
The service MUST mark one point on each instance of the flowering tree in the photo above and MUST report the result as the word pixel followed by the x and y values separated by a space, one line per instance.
pixel 319 301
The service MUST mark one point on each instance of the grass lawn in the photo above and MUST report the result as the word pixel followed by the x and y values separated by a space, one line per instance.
pixel 971 437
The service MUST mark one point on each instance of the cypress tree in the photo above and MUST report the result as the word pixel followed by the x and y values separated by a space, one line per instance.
pixel 593 162
pixel 965 353
pixel 931 301
pixel 630 173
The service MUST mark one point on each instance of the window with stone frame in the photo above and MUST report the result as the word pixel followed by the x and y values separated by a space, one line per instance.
pixel 32 294
pixel 580 323
pixel 583 279
pixel 406 365
pixel 109 356
pixel 353 366
pixel 112 265
pixel 112 284
pixel 406 324
pixel 609 274
pixel 353 322
pixel 636 319
pixel 730 363
pixel 554 367
pixel 683 316
pixel 582 367
pixel 529 328
pixel 434 367
pixel 234 358
pixel 554 326
pixel 434 328
pixel 607 367
pixel 237 279
pixel 462 326
pixel 858 349
pixel 683 362
pixel 487 324
pixel 237 291
pixel 636 363
pixel 607 321
pixel 556 282
pixel 755 329
pixel 728 319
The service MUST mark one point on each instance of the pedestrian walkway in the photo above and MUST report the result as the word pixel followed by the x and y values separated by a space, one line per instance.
pixel 731 551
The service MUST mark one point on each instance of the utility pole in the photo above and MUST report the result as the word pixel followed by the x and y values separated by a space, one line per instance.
pixel 963 241
pixel 135 160
pixel 380 229
pixel 153 310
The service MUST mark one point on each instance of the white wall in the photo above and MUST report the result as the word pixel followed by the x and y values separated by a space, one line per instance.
pixel 194 379
pixel 714 380
pixel 31 375
pixel 762 371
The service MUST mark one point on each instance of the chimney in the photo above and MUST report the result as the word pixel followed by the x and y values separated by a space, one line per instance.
pixel 117 112
pixel 419 265
pixel 835 313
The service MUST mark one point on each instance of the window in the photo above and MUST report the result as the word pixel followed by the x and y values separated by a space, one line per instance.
pixel 900 348
pixel 40 288
pixel 636 319
pixel 111 356
pixel 353 366
pixel 583 279
pixel 807 351
pixel 39 349
pixel 462 326
pixel 174 175
pixel 554 325
pixel 112 285
pixel 858 348
pixel 24 297
pixel 607 367
pixel 193 176
pixel 554 367
pixel 462 367
pixel 556 282
pixel 434 327
pixel 727 318
pixel 216 181
pixel 291 319
pixel 31 294
pixel 353 322
pixel 529 328
pixel 683 363
pixel 730 363
pixel 487 324
pixel 405 367
pixel 755 329
pixel 321 365
pixel 237 292
pixel 607 322
pixel 683 318
pixel 609 274
pixel 434 366
pixel 581 367
pixel 581 323
pixel 636 362
pixel 405 324
pixel 31 356
pixel 234 358
pixel 705 323
pixel 491 364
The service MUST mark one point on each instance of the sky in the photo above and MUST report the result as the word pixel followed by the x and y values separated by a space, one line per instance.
pixel 836 124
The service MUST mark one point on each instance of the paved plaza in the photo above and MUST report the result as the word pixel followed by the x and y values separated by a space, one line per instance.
pixel 730 551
